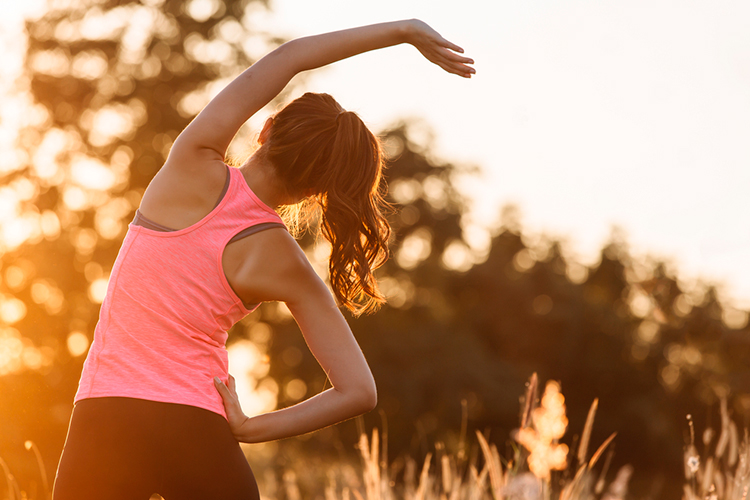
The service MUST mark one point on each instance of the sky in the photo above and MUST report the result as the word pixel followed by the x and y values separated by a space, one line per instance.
pixel 584 114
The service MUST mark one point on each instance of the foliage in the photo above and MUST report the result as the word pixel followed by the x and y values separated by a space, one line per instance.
pixel 111 83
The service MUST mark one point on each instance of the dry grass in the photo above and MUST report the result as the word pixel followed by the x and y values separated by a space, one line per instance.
pixel 541 468
pixel 722 470
pixel 528 475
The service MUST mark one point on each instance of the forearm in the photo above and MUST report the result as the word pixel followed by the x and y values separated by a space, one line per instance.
pixel 325 409
pixel 216 125
pixel 319 50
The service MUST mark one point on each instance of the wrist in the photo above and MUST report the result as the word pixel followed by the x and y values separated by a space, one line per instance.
pixel 406 30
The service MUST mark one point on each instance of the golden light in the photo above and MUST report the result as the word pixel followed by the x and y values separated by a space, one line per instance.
pixel 91 173
pixel 202 10
pixel 97 290
pixel 549 425
pixel 640 303
pixel 734 318
pixel 8 203
pixel 415 248
pixel 576 273
pixel 108 220
pixel 12 310
pixel 78 344
pixel 523 261
pixel 84 240
pixel 434 191
pixel 15 277
pixel 44 161
pixel 50 224
pixel 108 123
pixel 457 257
pixel 11 349
pixel 89 65
pixel 48 294
pixel 648 331
pixel 398 292
pixel 51 62
pixel 16 231
pixel 405 191
pixel 75 198
pixel 40 292
pixel 295 389
pixel 247 364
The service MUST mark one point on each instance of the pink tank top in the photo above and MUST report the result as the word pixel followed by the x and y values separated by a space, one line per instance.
pixel 163 324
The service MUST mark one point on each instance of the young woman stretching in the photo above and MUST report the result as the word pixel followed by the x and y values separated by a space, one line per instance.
pixel 156 410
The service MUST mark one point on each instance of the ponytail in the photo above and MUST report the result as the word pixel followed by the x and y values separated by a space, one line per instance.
pixel 327 154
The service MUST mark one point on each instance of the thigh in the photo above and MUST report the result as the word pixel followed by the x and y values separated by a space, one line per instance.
pixel 202 459
pixel 107 453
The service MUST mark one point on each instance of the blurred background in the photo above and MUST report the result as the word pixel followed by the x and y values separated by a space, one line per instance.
pixel 577 209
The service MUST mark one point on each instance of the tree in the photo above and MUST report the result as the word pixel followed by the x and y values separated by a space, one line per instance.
pixel 113 83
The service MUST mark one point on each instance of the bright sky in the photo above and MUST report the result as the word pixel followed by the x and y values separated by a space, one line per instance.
pixel 584 113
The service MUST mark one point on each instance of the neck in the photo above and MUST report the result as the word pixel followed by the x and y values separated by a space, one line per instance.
pixel 262 179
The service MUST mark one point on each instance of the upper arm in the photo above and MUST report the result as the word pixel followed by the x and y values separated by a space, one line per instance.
pixel 280 271
pixel 210 133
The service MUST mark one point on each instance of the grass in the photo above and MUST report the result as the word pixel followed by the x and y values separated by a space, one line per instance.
pixel 722 470
pixel 540 468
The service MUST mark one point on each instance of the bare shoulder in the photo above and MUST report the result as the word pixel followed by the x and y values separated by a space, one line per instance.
pixel 184 190
pixel 276 269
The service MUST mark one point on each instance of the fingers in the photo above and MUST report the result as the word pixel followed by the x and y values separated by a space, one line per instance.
pixel 223 391
pixel 451 46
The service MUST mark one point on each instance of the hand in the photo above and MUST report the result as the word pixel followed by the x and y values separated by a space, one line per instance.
pixel 235 416
pixel 438 50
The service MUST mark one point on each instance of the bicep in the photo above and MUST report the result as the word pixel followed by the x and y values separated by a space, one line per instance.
pixel 215 126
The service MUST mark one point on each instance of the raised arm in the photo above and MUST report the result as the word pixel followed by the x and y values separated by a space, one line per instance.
pixel 212 130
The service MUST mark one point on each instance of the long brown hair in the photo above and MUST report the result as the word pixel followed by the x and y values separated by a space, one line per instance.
pixel 328 155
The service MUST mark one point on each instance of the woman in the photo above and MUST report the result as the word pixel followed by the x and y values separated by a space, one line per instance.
pixel 156 410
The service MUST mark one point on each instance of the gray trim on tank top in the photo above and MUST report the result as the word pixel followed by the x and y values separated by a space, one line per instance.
pixel 141 220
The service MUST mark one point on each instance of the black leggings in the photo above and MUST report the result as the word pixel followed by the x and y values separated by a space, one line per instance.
pixel 129 449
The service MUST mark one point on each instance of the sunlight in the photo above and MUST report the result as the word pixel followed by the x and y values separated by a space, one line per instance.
pixel 97 290
pixel 110 122
pixel 202 10
pixel 295 389
pixel 415 248
pixel 457 257
pixel 75 198
pixel 207 51
pixel 89 65
pixel 91 173
pixel 405 192
pixel 78 344
pixel 11 349
pixel 18 353
pixel 50 224
pixel 249 365
pixel 12 310
pixel 17 230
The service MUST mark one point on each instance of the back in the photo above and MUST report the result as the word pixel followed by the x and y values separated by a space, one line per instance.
pixel 163 323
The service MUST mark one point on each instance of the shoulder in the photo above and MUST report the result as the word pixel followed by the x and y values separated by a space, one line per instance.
pixel 276 269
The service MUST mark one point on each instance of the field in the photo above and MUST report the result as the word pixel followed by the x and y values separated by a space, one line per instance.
pixel 717 465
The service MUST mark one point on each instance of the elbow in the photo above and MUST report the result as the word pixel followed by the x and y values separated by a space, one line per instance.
pixel 368 398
